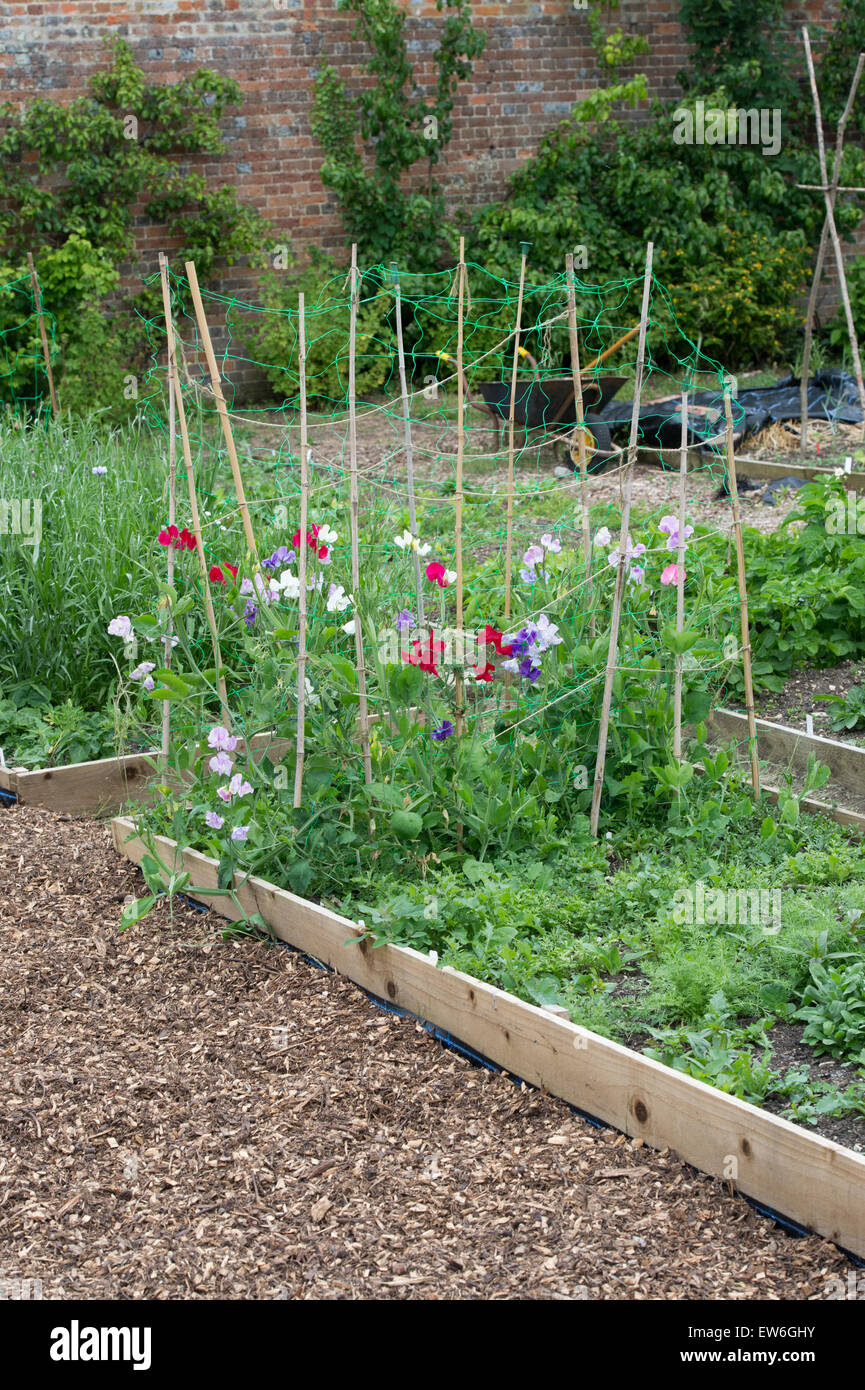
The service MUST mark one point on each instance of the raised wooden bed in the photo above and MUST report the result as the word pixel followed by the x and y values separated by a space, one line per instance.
pixel 808 1179
pixel 106 785
pixel 791 749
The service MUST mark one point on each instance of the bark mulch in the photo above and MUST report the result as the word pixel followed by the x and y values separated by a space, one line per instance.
pixel 186 1116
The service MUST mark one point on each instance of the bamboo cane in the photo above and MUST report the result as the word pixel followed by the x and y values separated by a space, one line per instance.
pixel 743 597
pixel 458 538
pixel 172 507
pixel 409 454
pixel 602 357
pixel 604 726
pixel 512 408
pixel 193 505
pixel 37 300
pixel 581 434
pixel 363 712
pixel 301 564
pixel 680 584
pixel 833 230
pixel 821 256
pixel 222 409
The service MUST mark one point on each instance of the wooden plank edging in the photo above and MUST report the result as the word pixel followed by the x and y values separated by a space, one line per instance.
pixel 788 747
pixel 813 1181
pixel 106 784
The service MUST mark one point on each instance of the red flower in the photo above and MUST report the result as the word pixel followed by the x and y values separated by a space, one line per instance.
pixel 425 654
pixel 216 575
pixel 180 540
pixel 486 674
pixel 311 539
pixel 492 637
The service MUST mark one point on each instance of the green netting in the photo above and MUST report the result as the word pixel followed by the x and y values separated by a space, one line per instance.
pixel 23 381
pixel 258 346
pixel 543 504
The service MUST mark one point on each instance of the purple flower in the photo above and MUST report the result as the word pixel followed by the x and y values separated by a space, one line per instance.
pixel 240 832
pixel 529 669
pixel 216 822
pixel 250 613
pixel 444 730
pixel 222 764
pixel 281 556
pixel 404 621
pixel 99 471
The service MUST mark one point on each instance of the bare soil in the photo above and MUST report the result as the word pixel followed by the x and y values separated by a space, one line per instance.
pixel 187 1116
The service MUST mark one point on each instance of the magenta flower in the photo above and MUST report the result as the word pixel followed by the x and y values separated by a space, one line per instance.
pixel 671 575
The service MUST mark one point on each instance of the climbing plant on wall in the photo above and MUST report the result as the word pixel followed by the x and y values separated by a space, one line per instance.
pixel 402 128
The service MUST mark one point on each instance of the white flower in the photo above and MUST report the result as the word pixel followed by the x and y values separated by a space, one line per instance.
pixel 548 634
pixel 349 627
pixel 326 535
pixel 603 537
pixel 450 576
pixel 287 584
pixel 337 599
pixel 311 696
pixel 143 669
pixel 409 542
pixel 121 627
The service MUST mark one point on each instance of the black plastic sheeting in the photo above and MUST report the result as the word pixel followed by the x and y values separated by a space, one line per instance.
pixel 831 396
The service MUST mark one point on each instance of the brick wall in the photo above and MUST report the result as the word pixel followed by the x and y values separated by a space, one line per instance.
pixel 537 63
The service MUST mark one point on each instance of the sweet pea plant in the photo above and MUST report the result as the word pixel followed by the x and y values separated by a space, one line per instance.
pixel 481 740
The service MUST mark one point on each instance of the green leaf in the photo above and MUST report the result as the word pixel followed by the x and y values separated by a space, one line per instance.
pixel 406 825
pixel 678 642
pixel 384 792
pixel 133 912
pixel 300 876
pixel 173 681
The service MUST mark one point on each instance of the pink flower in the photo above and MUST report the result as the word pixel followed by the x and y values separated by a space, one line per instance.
pixel 671 575
pixel 222 764
pixel 224 793
pixel 215 821
pixel 237 786
pixel 221 739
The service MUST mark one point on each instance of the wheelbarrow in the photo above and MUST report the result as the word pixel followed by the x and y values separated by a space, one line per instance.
pixel 551 405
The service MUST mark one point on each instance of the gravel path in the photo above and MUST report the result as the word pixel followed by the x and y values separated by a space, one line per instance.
pixel 185 1116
